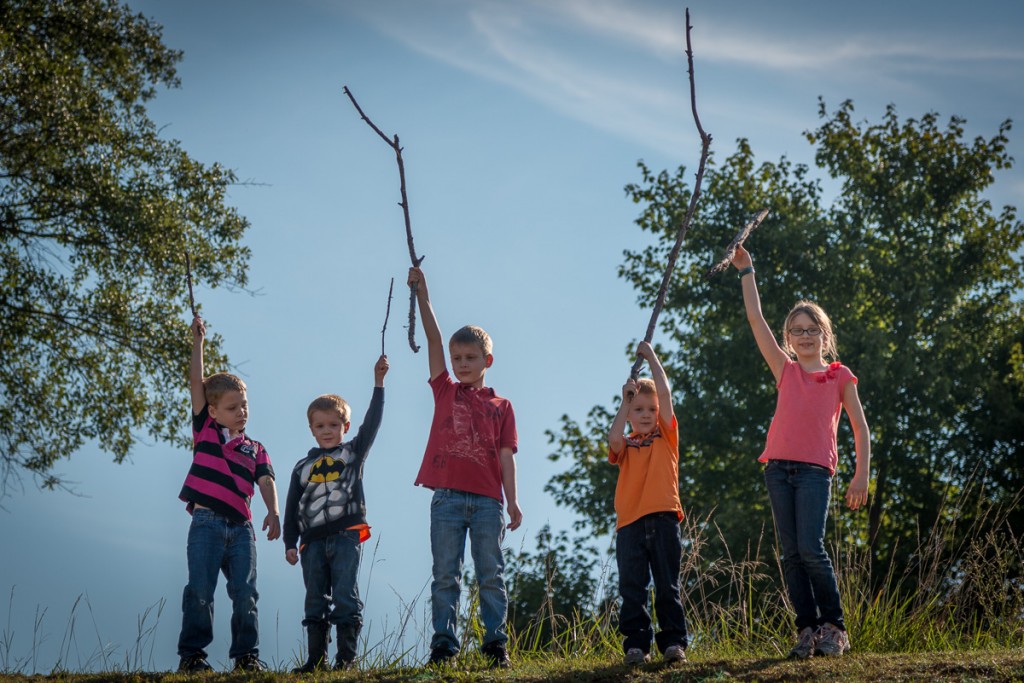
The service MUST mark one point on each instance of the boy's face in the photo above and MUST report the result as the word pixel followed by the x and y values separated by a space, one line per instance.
pixel 231 411
pixel 643 413
pixel 327 428
pixel 469 363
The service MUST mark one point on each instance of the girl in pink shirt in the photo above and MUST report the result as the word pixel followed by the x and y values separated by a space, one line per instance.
pixel 801 456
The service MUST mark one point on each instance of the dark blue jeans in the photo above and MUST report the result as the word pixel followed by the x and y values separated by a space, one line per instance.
pixel 650 547
pixel 800 494
pixel 330 567
pixel 217 545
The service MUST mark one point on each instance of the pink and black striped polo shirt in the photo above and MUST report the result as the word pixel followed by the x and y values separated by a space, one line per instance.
pixel 223 474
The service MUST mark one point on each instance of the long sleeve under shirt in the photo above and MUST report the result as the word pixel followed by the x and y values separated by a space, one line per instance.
pixel 325 494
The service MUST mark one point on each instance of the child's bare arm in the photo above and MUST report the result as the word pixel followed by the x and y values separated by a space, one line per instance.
pixel 766 342
pixel 195 374
pixel 857 494
pixel 272 522
pixel 435 344
pixel 616 433
pixel 661 385
pixel 508 484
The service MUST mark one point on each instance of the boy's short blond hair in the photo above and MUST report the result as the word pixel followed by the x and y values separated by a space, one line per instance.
pixel 330 403
pixel 646 386
pixel 471 334
pixel 215 386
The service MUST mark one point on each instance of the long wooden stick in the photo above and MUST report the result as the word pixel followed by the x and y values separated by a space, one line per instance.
pixel 191 295
pixel 739 239
pixel 416 260
pixel 705 141
pixel 387 315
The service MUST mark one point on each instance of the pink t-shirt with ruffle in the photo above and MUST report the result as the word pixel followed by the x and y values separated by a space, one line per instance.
pixel 807 415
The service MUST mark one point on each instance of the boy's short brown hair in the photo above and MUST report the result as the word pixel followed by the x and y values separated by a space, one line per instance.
pixel 471 334
pixel 328 403
pixel 216 385
pixel 646 386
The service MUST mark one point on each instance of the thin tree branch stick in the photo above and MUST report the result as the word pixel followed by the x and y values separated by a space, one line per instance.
pixel 740 238
pixel 705 141
pixel 416 260
pixel 387 315
pixel 191 295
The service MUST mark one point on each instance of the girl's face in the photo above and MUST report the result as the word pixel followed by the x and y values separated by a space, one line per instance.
pixel 805 337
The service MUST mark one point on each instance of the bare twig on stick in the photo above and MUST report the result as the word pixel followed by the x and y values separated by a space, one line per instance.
pixel 705 143
pixel 387 315
pixel 416 260
pixel 191 295
pixel 739 239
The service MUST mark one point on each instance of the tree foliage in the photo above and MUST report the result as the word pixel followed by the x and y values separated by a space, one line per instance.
pixel 922 278
pixel 96 213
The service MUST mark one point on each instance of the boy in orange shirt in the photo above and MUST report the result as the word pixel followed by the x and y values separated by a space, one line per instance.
pixel 648 513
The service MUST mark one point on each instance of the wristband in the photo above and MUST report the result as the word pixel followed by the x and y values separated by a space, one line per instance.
pixel 745 271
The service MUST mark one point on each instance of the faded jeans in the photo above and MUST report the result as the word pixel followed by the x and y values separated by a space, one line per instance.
pixel 453 514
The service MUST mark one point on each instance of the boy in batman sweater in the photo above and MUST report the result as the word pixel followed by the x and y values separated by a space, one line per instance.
pixel 325 523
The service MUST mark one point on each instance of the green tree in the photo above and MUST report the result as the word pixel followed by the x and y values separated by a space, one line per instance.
pixel 96 213
pixel 921 277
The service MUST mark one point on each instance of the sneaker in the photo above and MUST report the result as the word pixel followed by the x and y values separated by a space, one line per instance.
pixel 635 656
pixel 674 654
pixel 832 641
pixel 805 643
pixel 497 656
pixel 250 662
pixel 194 664
pixel 440 655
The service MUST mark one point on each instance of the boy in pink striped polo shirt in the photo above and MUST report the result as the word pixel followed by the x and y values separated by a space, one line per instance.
pixel 227 466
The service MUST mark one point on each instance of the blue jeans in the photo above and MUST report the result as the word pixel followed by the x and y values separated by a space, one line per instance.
pixel 217 545
pixel 452 514
pixel 330 567
pixel 648 547
pixel 800 494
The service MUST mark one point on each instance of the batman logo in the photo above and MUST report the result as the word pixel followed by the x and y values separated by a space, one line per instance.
pixel 325 469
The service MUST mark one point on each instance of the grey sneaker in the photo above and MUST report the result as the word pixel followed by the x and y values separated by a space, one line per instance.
pixel 674 654
pixel 832 641
pixel 635 656
pixel 805 643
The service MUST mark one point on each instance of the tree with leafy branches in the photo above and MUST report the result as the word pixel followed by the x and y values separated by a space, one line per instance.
pixel 922 278
pixel 97 211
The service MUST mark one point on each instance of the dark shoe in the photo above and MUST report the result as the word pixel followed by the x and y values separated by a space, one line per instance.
pixel 440 655
pixel 497 656
pixel 194 664
pixel 348 645
pixel 249 663
pixel 635 657
pixel 317 636
pixel 674 654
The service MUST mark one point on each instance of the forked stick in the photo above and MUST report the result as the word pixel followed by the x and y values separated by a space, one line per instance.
pixel 705 141
pixel 416 260
pixel 738 240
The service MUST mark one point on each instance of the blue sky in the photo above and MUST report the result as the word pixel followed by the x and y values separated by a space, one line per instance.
pixel 521 122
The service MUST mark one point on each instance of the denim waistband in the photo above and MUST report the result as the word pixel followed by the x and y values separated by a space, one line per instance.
pixel 789 463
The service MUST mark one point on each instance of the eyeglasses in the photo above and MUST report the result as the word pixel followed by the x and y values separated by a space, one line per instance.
pixel 799 331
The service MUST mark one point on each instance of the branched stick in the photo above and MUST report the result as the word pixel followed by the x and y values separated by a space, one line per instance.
pixel 739 239
pixel 387 315
pixel 191 295
pixel 705 143
pixel 416 260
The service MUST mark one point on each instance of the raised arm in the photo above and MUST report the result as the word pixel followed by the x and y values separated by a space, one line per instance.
pixel 616 433
pixel 661 385
pixel 857 494
pixel 435 344
pixel 195 373
pixel 769 347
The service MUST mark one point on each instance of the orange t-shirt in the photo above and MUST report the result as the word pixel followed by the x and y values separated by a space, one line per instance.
pixel 648 474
